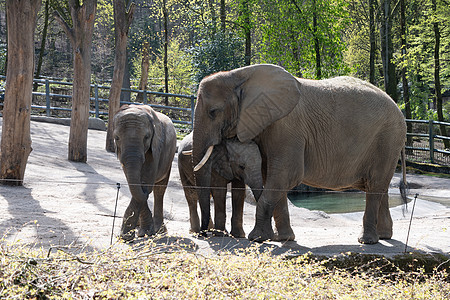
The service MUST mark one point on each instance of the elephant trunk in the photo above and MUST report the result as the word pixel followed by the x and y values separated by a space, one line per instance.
pixel 254 180
pixel 132 165
pixel 202 176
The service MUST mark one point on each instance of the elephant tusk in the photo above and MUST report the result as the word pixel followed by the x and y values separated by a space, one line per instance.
pixel 188 152
pixel 204 159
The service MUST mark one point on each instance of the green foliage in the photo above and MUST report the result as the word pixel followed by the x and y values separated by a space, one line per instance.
pixel 288 36
pixel 180 70
pixel 216 51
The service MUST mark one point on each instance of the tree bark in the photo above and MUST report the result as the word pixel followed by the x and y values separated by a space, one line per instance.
pixel 166 43
pixel 16 136
pixel 223 16
pixel 43 40
pixel 404 71
pixel 247 32
pixel 390 79
pixel 372 41
pixel 80 36
pixel 123 16
pixel 316 43
pixel 145 65
pixel 437 79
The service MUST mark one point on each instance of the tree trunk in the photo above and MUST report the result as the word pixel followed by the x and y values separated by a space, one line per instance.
pixel 123 16
pixel 166 43
pixel 223 16
pixel 316 43
pixel 247 32
pixel 43 40
pixel 16 137
pixel 373 46
pixel 390 79
pixel 404 71
pixel 437 79
pixel 80 36
pixel 145 65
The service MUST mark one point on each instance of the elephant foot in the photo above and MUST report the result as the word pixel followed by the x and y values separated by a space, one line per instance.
pixel 259 235
pixel 238 233
pixel 219 232
pixel 284 237
pixel 385 235
pixel 127 236
pixel 366 238
pixel 143 232
pixel 162 229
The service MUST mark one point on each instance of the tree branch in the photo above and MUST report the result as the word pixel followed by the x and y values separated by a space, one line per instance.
pixel 65 26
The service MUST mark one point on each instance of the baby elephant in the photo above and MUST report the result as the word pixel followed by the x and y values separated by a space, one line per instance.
pixel 232 161
pixel 145 145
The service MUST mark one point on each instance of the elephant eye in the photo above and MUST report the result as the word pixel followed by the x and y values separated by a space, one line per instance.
pixel 212 113
pixel 146 137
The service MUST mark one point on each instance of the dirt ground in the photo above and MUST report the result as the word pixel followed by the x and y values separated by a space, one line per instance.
pixel 68 204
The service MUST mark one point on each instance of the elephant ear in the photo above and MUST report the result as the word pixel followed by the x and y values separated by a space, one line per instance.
pixel 156 125
pixel 221 163
pixel 267 94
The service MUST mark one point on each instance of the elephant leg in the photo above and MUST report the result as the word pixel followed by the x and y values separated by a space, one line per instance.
pixel 369 234
pixel 130 220
pixel 384 224
pixel 265 206
pixel 219 193
pixel 158 208
pixel 282 222
pixel 146 226
pixel 192 200
pixel 238 198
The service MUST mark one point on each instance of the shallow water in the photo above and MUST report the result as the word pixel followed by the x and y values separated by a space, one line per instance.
pixel 344 202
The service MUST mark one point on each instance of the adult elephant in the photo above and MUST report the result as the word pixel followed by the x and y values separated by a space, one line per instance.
pixel 336 133
pixel 145 145
pixel 231 161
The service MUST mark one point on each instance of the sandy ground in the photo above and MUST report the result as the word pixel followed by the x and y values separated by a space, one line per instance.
pixel 65 203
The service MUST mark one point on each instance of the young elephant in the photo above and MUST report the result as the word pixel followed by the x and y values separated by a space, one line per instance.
pixel 232 161
pixel 145 145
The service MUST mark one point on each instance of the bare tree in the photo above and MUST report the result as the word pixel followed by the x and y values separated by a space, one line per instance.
pixel 145 66
pixel 123 16
pixel 16 137
pixel 80 36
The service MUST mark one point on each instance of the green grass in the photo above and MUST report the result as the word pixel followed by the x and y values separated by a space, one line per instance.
pixel 150 271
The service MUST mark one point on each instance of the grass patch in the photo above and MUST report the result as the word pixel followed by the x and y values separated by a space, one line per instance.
pixel 153 272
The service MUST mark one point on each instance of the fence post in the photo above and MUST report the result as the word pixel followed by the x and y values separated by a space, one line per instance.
pixel 47 97
pixel 96 100
pixel 192 110
pixel 144 100
pixel 431 140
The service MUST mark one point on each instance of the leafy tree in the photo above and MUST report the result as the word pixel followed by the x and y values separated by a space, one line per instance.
pixel 216 51
pixel 305 37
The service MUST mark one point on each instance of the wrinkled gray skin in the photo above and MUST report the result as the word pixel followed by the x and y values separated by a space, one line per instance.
pixel 231 161
pixel 145 145
pixel 338 133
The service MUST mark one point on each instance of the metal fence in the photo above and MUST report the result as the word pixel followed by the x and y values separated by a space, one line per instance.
pixel 425 143
pixel 55 101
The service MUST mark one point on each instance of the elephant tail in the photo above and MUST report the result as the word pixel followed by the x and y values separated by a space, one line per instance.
pixel 403 182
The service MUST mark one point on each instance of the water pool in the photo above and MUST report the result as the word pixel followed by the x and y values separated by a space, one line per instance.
pixel 336 202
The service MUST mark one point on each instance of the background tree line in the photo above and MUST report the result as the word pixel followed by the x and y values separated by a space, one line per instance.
pixel 170 45
pixel 376 40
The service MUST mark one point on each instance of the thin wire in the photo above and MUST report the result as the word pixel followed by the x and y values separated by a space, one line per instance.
pixel 410 221
pixel 115 210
